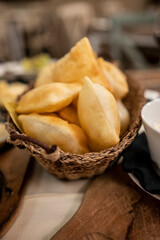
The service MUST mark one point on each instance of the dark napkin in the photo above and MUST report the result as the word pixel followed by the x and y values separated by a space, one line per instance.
pixel 137 160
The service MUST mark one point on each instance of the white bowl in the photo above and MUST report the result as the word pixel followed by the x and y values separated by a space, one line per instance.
pixel 151 118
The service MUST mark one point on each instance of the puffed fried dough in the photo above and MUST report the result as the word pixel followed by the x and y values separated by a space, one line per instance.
pixel 11 91
pixel 48 98
pixel 77 64
pixel 45 75
pixel 3 90
pixel 98 116
pixel 74 103
pixel 51 129
pixel 124 117
pixel 11 108
pixel 115 78
pixel 69 114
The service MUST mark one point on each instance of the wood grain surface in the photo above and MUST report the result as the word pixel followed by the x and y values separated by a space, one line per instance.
pixel 148 78
pixel 114 208
pixel 13 167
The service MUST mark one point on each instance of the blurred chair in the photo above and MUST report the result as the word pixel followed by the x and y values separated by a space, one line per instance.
pixel 120 41
pixel 15 41
pixel 28 29
pixel 75 18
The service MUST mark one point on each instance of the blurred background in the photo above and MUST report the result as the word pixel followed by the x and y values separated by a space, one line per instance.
pixel 121 30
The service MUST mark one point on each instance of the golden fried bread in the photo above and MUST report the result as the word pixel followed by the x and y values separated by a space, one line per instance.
pixel 50 97
pixel 51 129
pixel 69 114
pixel 78 90
pixel 77 64
pixel 3 91
pixel 115 78
pixel 45 75
pixel 74 103
pixel 11 91
pixel 11 108
pixel 124 117
pixel 98 115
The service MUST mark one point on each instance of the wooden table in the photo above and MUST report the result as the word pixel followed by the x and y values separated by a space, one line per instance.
pixel 114 208
pixel 148 78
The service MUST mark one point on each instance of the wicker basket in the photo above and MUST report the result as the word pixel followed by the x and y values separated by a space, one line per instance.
pixel 75 166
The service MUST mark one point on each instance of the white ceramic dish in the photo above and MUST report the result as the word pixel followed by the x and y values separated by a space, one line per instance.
pixel 151 117
pixel 150 97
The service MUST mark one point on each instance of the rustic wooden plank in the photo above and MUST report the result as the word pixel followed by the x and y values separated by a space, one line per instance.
pixel 114 208
pixel 13 166
pixel 149 78
pixel 144 74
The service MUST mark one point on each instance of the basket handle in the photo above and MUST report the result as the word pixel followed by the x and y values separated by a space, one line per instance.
pixel 15 136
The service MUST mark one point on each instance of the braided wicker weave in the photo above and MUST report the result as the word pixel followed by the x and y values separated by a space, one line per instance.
pixel 75 166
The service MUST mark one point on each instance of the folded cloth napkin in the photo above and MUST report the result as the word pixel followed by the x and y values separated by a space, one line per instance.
pixel 43 215
pixel 137 160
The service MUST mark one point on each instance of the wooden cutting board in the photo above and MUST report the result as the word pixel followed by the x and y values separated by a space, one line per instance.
pixel 114 208
pixel 13 168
